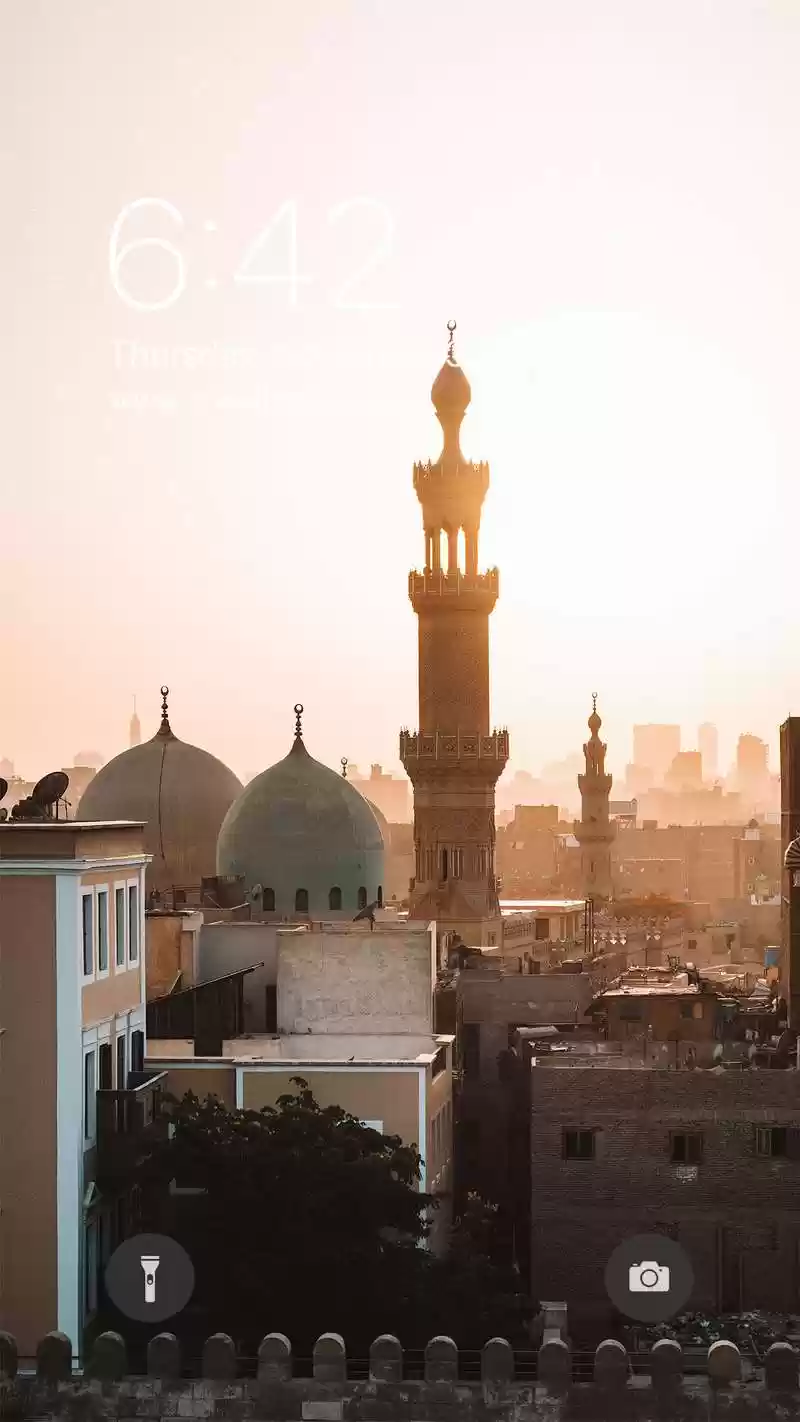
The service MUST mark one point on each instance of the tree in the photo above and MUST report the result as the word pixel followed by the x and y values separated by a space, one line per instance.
pixel 308 1222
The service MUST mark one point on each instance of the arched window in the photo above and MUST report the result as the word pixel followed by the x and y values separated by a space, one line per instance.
pixel 362 898
pixel 268 900
pixel 301 901
pixel 380 896
pixel 335 899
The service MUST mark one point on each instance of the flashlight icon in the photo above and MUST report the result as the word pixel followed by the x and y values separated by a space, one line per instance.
pixel 149 1264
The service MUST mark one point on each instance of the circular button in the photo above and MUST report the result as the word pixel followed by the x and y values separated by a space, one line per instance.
pixel 649 1278
pixel 150 1277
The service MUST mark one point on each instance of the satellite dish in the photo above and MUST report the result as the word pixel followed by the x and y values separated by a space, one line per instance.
pixel 3 815
pixel 50 789
pixel 3 788
pixel 257 892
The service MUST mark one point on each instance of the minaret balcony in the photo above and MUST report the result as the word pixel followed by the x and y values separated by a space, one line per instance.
pixel 446 751
pixel 469 591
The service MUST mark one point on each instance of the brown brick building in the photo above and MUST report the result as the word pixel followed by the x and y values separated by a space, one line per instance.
pixel 711 1158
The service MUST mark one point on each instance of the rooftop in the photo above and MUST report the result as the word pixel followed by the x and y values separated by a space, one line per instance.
pixel 508 906
pixel 326 1048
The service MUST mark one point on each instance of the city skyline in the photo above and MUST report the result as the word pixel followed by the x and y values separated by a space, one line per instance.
pixel 627 321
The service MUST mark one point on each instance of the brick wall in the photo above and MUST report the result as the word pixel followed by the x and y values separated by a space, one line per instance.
pixel 737 1214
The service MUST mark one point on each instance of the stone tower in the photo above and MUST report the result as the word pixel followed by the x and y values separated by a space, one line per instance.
pixel 453 760
pixel 595 831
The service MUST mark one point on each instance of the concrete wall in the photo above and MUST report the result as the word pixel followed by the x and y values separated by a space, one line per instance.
pixel 737 1214
pixel 170 947
pixel 373 1095
pixel 28 1095
pixel 355 980
pixel 228 947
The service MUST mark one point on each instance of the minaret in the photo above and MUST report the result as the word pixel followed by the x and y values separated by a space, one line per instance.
pixel 454 760
pixel 135 727
pixel 595 831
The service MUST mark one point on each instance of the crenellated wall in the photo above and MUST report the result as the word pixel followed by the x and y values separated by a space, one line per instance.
pixel 649 1387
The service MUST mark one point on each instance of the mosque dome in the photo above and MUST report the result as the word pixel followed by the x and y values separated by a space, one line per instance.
pixel 181 793
pixel 306 837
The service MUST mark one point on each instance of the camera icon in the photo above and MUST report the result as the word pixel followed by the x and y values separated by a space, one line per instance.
pixel 648 1278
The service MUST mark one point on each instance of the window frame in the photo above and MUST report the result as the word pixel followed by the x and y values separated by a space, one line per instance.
pixel 88 893
pixel 89 1107
pixel 101 892
pixel 577 1134
pixel 120 888
pixel 121 1037
pixel 687 1136
pixel 134 888
pixel 770 1130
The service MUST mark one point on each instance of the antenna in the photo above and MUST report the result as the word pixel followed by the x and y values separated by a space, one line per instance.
pixel 45 794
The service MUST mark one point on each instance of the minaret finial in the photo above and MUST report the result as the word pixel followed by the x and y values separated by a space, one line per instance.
pixel 451 354
pixel 344 767
pixel 594 700
pixel 298 722
pixel 164 729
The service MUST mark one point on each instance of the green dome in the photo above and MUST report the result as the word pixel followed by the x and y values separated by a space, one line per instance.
pixel 181 792
pixel 301 832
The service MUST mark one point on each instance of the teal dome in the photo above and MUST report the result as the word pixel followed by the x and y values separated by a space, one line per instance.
pixel 307 838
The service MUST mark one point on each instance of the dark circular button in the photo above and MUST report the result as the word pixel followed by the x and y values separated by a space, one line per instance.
pixel 150 1277
pixel 649 1278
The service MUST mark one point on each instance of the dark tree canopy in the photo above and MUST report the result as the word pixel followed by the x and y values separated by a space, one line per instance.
pixel 309 1221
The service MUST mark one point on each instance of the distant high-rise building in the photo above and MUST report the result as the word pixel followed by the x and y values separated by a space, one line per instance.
pixel 686 771
pixel 388 792
pixel 752 759
pixel 708 745
pixel 656 746
pixel 638 779
pixel 135 738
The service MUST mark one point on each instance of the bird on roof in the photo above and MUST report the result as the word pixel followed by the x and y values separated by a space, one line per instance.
pixel 367 913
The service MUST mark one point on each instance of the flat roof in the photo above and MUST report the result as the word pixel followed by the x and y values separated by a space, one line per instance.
pixel 74 825
pixel 324 1049
pixel 531 905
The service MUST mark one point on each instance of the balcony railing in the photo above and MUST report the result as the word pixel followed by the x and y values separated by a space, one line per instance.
pixel 455 584
pixel 462 746
pixel 129 1123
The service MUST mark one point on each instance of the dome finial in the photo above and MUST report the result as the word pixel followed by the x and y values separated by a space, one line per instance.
pixel 451 353
pixel 298 722
pixel 344 767
pixel 594 720
pixel 164 729
pixel 594 700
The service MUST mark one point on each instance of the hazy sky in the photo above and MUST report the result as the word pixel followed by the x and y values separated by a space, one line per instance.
pixel 603 193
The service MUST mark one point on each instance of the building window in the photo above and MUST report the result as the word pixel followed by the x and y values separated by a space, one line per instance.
pixel 102 930
pixel 542 930
pixel 362 898
pixel 578 1145
pixel 122 1072
pixel 137 1051
pixel 630 1011
pixel 91 1267
pixel 301 901
pixel 439 1062
pixel 104 1081
pixel 771 1140
pixel 380 896
pixel 87 911
pixel 445 865
pixel 268 901
pixel 119 926
pixel 686 1147
pixel 335 899
pixel 89 1097
pixel 133 922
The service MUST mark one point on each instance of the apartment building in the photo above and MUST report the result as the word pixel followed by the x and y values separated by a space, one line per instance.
pixel 72 1014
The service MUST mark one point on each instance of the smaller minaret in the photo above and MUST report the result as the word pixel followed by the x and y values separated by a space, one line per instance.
pixel 595 831
pixel 135 727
